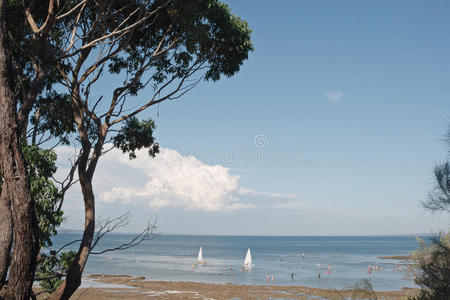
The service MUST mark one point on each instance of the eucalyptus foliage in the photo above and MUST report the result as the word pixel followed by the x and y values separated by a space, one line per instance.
pixel 135 135
pixel 40 167
pixel 52 268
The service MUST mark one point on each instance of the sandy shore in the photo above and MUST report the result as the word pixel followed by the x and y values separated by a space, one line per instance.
pixel 396 257
pixel 128 287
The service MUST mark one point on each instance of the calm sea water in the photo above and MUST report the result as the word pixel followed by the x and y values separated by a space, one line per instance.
pixel 171 258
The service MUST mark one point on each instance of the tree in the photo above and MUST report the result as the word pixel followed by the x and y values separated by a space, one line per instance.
pixel 40 167
pixel 32 73
pixel 439 198
pixel 15 184
pixel 433 269
pixel 34 55
pixel 29 75
pixel 433 262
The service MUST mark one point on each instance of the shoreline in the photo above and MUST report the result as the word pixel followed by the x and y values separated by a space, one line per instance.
pixel 130 287
pixel 397 257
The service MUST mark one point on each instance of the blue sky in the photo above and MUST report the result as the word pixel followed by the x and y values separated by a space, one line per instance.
pixel 349 100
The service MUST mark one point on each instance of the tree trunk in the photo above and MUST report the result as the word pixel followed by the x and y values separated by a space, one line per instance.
pixel 5 204
pixel 86 169
pixel 73 278
pixel 5 235
pixel 15 184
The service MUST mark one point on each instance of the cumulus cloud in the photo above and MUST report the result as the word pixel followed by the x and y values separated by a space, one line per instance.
pixel 334 96
pixel 177 181
pixel 171 180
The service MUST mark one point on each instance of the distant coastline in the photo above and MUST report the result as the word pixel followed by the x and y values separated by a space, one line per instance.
pixel 77 231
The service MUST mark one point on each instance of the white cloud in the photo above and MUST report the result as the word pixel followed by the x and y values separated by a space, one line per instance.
pixel 169 180
pixel 334 96
pixel 173 180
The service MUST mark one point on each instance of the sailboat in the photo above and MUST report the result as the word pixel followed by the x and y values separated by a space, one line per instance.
pixel 200 257
pixel 248 260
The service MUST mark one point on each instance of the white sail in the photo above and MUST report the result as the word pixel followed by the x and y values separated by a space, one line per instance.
pixel 248 259
pixel 200 255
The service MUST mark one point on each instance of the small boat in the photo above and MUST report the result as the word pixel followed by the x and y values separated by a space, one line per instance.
pixel 200 260
pixel 248 260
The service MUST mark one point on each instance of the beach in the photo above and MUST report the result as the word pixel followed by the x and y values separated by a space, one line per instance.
pixel 129 287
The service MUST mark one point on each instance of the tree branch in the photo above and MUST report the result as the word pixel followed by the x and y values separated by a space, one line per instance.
pixel 113 224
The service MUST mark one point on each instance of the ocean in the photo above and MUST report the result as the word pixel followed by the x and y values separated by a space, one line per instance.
pixel 174 258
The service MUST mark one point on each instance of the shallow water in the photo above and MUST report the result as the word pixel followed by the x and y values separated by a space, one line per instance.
pixel 171 258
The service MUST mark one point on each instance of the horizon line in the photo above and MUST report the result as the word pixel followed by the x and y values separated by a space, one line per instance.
pixel 66 230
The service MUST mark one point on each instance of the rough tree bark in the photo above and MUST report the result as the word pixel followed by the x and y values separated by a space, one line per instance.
pixel 5 204
pixel 5 235
pixel 15 184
